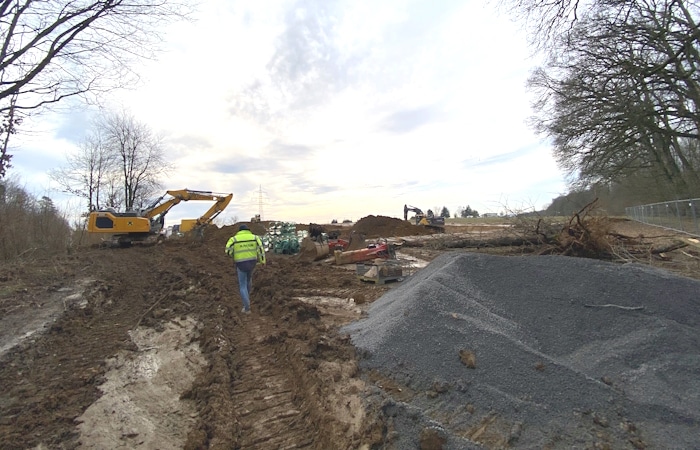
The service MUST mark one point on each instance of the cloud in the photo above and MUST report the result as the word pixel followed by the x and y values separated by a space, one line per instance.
pixel 303 185
pixel 187 143
pixel 28 159
pixel 307 63
pixel 76 125
pixel 328 46
pixel 501 158
pixel 408 120
pixel 239 164
pixel 279 150
pixel 304 70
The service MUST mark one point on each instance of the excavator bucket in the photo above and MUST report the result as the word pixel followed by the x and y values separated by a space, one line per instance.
pixel 312 250
pixel 357 241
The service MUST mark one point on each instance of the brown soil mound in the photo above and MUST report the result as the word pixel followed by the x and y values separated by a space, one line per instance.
pixel 384 227
pixel 225 232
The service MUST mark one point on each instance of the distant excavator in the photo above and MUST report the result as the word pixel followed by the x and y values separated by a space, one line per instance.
pixel 429 220
pixel 139 226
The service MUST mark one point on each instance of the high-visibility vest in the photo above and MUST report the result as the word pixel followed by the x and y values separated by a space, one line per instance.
pixel 246 247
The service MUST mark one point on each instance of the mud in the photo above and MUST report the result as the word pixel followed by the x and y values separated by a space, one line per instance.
pixel 146 347
pixel 75 372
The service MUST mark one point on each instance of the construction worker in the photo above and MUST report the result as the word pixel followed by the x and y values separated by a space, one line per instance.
pixel 247 250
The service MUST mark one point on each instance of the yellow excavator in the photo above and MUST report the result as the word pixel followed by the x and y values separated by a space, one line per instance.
pixel 135 226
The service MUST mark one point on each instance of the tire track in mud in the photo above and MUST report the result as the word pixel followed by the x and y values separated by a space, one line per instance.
pixel 266 393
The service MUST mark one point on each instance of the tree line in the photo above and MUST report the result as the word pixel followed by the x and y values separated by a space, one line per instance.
pixel 610 198
pixel 462 211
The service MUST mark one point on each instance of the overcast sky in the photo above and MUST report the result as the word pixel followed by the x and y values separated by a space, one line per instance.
pixel 333 109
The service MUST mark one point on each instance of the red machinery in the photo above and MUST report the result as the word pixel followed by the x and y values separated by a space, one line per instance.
pixel 373 251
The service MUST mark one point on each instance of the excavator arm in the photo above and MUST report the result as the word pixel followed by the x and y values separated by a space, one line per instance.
pixel 159 208
pixel 130 226
pixel 221 203
pixel 215 210
pixel 407 208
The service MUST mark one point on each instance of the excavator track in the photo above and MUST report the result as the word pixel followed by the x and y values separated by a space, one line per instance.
pixel 265 394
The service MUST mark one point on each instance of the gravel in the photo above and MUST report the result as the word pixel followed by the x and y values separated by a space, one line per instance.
pixel 567 353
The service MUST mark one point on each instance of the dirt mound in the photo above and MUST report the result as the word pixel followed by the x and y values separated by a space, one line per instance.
pixel 370 227
pixel 217 235
pixel 385 227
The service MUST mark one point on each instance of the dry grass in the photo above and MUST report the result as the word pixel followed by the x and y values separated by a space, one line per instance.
pixel 30 228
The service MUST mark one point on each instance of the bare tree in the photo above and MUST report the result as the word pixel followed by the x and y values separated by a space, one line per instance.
pixel 117 165
pixel 140 155
pixel 112 190
pixel 51 50
pixel 621 98
pixel 89 170
pixel 547 21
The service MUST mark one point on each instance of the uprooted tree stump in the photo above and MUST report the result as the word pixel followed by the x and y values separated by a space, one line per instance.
pixel 584 235
pixel 591 237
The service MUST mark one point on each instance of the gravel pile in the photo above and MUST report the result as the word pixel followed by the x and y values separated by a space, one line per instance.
pixel 536 352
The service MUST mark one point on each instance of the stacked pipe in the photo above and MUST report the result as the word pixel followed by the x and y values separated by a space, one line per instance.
pixel 283 238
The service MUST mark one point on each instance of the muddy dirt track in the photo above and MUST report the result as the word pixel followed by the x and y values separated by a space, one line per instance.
pixel 145 347
pixel 279 378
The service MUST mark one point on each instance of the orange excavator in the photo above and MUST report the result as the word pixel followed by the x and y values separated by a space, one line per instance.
pixel 135 226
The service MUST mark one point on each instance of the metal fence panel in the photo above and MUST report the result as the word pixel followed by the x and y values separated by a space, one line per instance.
pixel 679 215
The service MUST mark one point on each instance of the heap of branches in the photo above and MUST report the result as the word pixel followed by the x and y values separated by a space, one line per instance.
pixel 590 236
pixel 584 235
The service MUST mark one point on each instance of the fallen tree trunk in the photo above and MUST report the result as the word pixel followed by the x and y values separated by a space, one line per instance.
pixel 501 241
pixel 668 248
pixel 504 241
